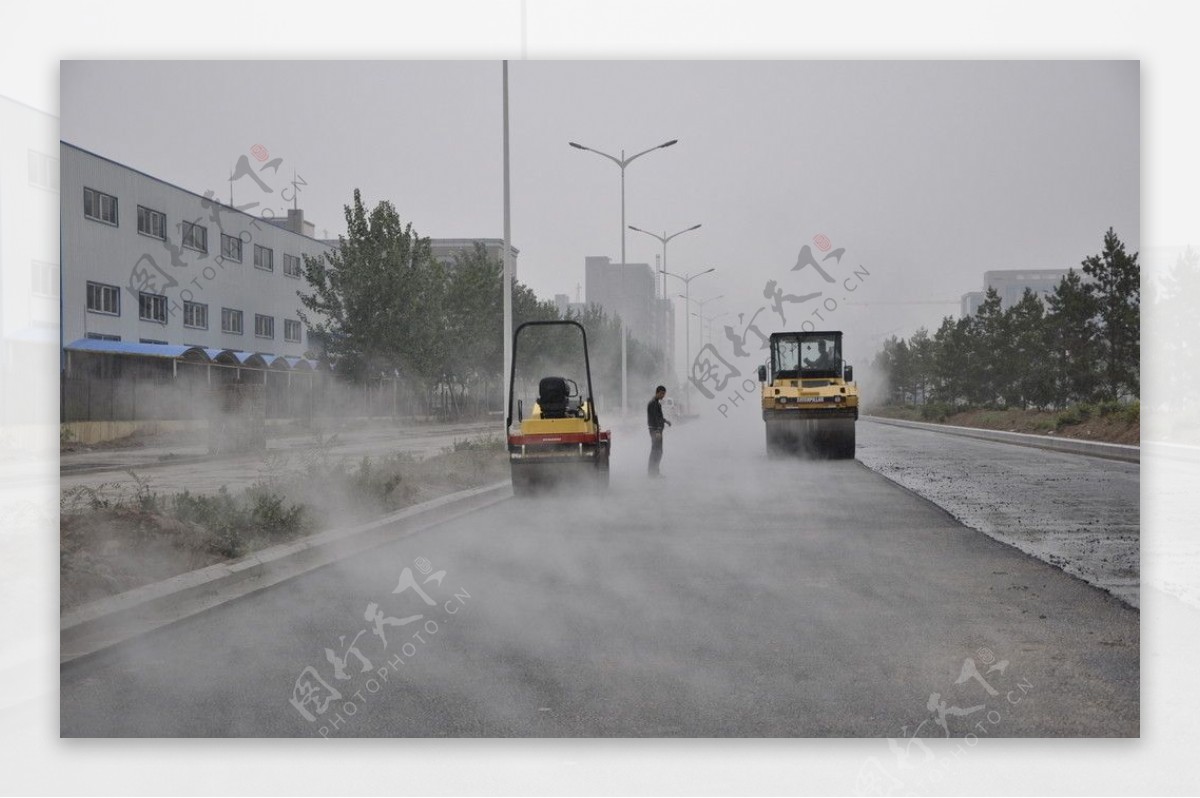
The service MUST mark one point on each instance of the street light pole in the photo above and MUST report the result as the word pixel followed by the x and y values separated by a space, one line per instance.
pixel 664 238
pixel 687 322
pixel 506 282
pixel 708 320
pixel 701 303
pixel 622 162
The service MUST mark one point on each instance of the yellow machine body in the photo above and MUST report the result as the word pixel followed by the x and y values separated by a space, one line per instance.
pixel 809 397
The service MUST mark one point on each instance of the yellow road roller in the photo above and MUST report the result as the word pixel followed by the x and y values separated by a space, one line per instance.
pixel 809 399
pixel 557 437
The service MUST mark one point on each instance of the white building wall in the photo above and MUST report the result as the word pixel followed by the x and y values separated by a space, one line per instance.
pixel 121 256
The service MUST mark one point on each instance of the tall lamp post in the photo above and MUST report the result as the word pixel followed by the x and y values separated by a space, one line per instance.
pixel 687 287
pixel 664 238
pixel 622 162
pixel 701 303
pixel 708 320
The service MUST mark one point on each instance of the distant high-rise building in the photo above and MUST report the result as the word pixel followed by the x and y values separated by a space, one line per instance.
pixel 625 290
pixel 971 302
pixel 565 306
pixel 1011 285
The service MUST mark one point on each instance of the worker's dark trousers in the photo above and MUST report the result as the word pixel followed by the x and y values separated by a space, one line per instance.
pixel 655 450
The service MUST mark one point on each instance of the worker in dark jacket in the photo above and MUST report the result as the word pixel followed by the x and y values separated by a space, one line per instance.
pixel 656 422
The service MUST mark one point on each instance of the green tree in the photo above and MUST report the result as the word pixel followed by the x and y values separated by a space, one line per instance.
pixel 1116 287
pixel 952 376
pixel 922 354
pixel 1072 331
pixel 377 299
pixel 1031 366
pixel 894 364
pixel 475 324
pixel 988 370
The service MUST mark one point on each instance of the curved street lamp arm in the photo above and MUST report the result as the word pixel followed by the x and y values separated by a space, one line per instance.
pixel 681 232
pixel 652 149
pixel 647 232
pixel 617 161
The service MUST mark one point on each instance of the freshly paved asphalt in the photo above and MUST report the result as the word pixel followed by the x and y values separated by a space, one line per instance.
pixel 739 596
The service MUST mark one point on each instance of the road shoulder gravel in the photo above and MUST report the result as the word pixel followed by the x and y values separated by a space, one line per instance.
pixel 1076 512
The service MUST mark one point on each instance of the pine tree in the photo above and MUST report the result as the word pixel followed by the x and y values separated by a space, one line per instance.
pixel 950 363
pixel 1031 364
pixel 1116 288
pixel 1072 331
pixel 988 372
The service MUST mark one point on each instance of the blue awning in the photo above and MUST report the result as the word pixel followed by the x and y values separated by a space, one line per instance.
pixel 129 348
pixel 245 358
pixel 233 357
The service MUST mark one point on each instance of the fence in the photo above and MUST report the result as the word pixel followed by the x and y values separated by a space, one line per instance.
pixel 112 387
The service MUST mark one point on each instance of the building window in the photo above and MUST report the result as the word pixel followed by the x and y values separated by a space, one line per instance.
pixel 264 326
pixel 100 206
pixel 231 248
pixel 43 171
pixel 195 236
pixel 264 258
pixel 152 307
pixel 291 330
pixel 152 223
pixel 151 341
pixel 103 298
pixel 231 321
pixel 195 315
pixel 102 337
pixel 44 279
pixel 291 265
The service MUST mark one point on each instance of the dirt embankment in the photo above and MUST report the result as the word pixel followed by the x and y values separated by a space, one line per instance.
pixel 1107 422
pixel 114 537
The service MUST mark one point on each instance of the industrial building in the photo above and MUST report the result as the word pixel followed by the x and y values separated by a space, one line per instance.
pixel 145 261
pixel 1011 285
pixel 163 290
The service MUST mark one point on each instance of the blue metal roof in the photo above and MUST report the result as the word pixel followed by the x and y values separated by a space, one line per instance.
pixel 177 351
pixel 129 348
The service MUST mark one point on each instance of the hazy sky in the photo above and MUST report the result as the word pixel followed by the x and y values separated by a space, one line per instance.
pixel 928 173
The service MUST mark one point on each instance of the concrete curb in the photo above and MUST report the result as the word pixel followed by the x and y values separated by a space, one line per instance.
pixel 93 627
pixel 1111 451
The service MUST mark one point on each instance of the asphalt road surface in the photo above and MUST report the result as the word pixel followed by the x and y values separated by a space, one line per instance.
pixel 738 596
